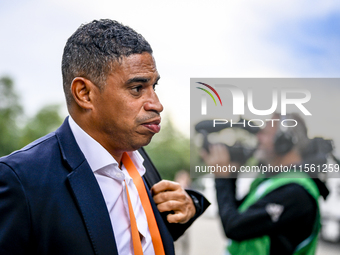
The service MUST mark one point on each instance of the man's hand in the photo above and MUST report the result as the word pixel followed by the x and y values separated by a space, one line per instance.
pixel 170 196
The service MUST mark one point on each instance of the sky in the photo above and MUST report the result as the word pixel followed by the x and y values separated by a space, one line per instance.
pixel 190 39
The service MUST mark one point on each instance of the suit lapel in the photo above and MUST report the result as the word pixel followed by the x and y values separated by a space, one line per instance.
pixel 87 194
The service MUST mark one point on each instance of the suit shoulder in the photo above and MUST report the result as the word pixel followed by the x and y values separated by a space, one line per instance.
pixel 38 148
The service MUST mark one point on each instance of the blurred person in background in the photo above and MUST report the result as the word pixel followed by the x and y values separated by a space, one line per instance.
pixel 280 214
pixel 83 188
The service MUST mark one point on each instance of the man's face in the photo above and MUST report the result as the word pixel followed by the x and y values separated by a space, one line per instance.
pixel 265 151
pixel 126 112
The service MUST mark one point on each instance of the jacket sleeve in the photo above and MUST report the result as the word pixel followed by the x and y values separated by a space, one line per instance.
pixel 14 214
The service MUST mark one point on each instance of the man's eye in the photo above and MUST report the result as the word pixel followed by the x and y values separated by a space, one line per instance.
pixel 137 89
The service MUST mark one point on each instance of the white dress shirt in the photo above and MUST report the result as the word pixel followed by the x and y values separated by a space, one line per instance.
pixel 111 182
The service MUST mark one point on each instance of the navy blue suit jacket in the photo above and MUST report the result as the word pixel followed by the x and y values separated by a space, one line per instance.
pixel 51 203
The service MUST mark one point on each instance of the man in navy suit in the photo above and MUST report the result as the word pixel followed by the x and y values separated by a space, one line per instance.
pixel 65 192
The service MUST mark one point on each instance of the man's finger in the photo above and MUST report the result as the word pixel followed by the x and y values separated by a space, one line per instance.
pixel 171 205
pixel 177 217
pixel 169 195
pixel 164 185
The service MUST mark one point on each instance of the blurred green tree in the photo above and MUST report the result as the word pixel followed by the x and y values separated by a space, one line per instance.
pixel 10 112
pixel 16 130
pixel 45 121
pixel 169 151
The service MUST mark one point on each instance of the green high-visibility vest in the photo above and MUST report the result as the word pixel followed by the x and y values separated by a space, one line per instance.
pixel 261 187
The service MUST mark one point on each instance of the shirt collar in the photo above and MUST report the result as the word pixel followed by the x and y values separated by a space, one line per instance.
pixel 96 155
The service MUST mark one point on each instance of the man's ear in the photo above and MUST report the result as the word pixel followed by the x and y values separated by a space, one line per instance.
pixel 82 90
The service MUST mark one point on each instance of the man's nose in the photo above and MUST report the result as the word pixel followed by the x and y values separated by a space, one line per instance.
pixel 153 103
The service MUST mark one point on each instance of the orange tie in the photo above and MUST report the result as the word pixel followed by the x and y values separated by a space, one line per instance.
pixel 153 227
pixel 137 245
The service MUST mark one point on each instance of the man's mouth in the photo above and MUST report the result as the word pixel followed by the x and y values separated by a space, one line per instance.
pixel 154 125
